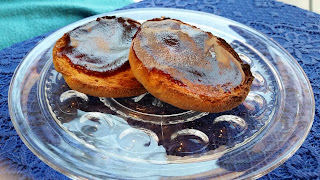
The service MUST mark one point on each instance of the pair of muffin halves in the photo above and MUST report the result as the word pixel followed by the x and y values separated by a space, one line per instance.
pixel 177 63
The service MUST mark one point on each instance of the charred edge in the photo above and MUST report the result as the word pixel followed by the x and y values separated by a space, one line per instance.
pixel 245 67
pixel 106 17
pixel 223 43
pixel 248 74
pixel 167 18
pixel 135 35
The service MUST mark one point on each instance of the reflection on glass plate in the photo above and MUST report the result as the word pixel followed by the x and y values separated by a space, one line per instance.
pixel 143 137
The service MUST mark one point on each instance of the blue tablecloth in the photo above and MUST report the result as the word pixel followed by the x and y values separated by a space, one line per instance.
pixel 297 30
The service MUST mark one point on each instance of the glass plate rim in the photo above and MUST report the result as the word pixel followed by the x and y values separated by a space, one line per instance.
pixel 64 29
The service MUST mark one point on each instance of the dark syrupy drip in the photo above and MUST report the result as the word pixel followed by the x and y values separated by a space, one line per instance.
pixel 101 47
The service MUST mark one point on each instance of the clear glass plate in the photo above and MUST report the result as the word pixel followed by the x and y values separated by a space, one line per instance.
pixel 141 137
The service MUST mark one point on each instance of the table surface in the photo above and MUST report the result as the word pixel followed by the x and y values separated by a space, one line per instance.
pixel 297 30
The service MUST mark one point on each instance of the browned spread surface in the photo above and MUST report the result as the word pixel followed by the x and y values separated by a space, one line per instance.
pixel 101 47
pixel 188 55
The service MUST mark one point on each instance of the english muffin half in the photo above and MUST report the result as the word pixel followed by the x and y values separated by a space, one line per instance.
pixel 93 58
pixel 187 67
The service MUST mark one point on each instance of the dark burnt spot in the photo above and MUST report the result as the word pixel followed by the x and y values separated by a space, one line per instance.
pixel 170 41
pixel 196 73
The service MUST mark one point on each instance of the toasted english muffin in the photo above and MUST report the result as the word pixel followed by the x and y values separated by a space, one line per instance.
pixel 188 68
pixel 93 58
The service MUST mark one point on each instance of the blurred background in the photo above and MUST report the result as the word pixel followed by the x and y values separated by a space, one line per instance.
pixel 22 20
pixel 311 5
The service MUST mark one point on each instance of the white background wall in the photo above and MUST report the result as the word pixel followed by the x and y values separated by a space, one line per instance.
pixel 312 5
